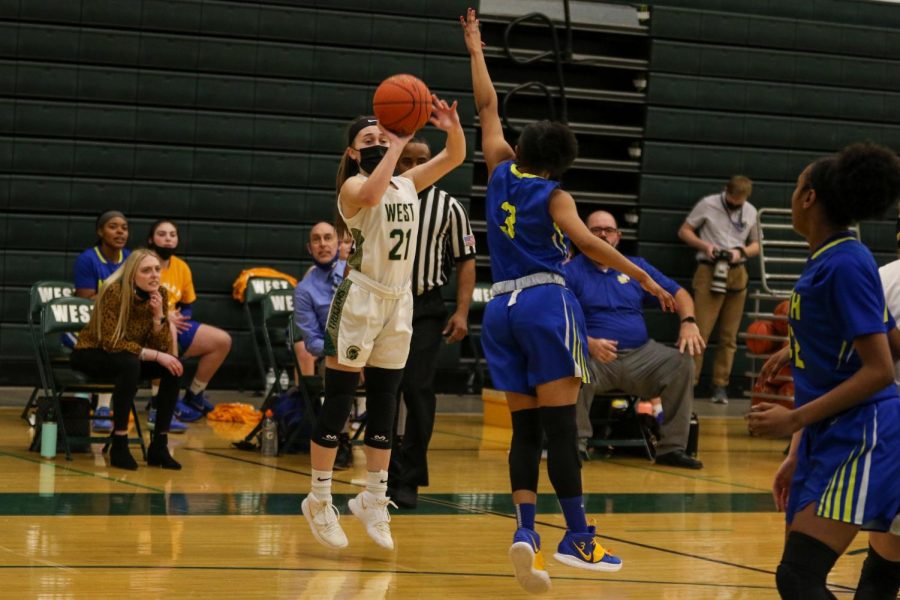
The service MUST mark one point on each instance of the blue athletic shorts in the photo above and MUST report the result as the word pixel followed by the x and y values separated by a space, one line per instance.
pixel 186 337
pixel 849 465
pixel 534 336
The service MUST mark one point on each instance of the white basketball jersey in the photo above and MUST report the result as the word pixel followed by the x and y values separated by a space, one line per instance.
pixel 385 235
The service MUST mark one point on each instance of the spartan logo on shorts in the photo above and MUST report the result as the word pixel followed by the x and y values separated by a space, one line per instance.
pixel 352 352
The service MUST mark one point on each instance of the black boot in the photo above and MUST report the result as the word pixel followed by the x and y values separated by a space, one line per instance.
pixel 158 453
pixel 119 455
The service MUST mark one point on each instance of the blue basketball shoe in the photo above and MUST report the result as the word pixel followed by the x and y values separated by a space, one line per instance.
pixel 200 402
pixel 582 550
pixel 528 562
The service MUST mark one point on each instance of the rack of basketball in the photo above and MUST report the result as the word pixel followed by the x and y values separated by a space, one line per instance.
pixel 766 334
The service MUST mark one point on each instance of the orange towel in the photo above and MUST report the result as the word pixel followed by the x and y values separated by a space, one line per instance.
pixel 235 412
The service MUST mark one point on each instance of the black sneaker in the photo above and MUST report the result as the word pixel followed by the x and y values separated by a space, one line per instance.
pixel 678 458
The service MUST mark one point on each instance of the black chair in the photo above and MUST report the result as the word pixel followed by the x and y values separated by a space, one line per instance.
pixel 39 294
pixel 257 288
pixel 620 427
pixel 276 317
pixel 58 317
pixel 311 389
pixel 481 295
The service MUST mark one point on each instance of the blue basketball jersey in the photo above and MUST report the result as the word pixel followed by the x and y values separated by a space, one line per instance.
pixel 837 299
pixel 522 237
pixel 92 268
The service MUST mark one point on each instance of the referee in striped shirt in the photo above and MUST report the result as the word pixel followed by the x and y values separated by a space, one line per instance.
pixel 445 238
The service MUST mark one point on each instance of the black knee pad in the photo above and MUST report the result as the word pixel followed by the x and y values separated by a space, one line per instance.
pixel 879 579
pixel 382 386
pixel 563 463
pixel 340 389
pixel 525 449
pixel 804 566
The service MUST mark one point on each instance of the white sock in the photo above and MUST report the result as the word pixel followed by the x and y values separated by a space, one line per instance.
pixel 104 400
pixel 321 485
pixel 657 408
pixel 198 386
pixel 376 483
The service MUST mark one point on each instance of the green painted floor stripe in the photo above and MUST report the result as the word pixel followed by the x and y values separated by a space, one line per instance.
pixel 284 504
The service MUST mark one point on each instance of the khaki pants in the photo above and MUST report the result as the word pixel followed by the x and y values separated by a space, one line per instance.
pixel 727 309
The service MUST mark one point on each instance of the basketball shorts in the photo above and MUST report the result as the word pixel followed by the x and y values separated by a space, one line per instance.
pixel 186 337
pixel 534 336
pixel 849 465
pixel 369 324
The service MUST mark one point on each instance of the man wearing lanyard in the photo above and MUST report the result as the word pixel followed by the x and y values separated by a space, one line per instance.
pixel 721 228
pixel 622 354
pixel 445 238
pixel 312 300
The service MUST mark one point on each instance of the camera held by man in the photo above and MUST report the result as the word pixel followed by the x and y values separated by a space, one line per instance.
pixel 721 266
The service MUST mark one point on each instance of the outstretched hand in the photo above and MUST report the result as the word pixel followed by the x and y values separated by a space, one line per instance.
pixel 472 31
pixel 443 116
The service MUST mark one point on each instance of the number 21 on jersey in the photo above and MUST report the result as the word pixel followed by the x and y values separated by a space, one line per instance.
pixel 400 251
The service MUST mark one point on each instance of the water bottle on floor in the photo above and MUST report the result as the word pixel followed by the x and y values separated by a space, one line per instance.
pixel 48 435
pixel 270 380
pixel 269 436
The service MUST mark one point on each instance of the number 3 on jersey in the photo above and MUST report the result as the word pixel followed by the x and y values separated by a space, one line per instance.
pixel 509 224
pixel 401 245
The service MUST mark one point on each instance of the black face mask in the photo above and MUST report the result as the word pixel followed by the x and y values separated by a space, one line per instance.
pixel 164 253
pixel 370 157
pixel 733 206
pixel 326 266
pixel 141 294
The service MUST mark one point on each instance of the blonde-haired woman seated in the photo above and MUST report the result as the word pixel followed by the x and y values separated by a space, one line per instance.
pixel 128 339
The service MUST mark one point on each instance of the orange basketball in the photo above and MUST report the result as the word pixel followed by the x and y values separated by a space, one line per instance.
pixel 756 345
pixel 765 388
pixel 402 104
pixel 781 326
pixel 784 375
pixel 787 390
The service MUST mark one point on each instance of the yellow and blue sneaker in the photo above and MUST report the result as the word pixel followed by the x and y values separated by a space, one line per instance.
pixel 582 550
pixel 528 562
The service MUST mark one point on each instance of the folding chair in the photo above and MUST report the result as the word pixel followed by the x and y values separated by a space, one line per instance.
pixel 39 294
pixel 481 295
pixel 277 309
pixel 311 388
pixel 604 418
pixel 58 317
pixel 257 288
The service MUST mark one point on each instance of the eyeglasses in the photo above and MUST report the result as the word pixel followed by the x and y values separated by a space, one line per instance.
pixel 602 230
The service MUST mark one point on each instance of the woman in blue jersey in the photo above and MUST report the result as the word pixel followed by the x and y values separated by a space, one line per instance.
pixel 97 263
pixel 533 329
pixel 842 473
pixel 92 267
pixel 370 319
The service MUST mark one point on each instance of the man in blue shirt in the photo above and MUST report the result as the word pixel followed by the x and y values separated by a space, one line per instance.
pixel 312 300
pixel 623 356
pixel 312 296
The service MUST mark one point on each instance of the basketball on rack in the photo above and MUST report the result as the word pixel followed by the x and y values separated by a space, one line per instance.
pixel 759 345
